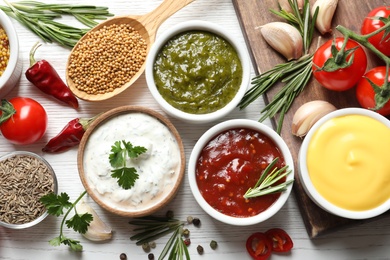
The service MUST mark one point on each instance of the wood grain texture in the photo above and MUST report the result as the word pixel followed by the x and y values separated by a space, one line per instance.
pixel 349 13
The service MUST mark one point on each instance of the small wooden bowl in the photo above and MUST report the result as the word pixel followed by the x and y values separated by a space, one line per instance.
pixel 93 182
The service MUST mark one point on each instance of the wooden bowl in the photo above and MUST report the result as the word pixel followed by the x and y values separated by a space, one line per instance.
pixel 160 169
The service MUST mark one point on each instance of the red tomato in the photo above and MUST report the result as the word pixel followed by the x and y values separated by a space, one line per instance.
pixel 365 93
pixel 259 246
pixel 27 125
pixel 344 78
pixel 281 241
pixel 371 24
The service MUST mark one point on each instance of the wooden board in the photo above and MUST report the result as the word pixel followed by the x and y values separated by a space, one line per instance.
pixel 349 13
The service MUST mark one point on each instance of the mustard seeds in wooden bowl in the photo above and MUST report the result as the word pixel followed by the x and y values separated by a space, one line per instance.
pixel 24 178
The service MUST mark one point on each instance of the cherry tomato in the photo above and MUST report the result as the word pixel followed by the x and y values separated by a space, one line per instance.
pixel 365 93
pixel 27 125
pixel 344 78
pixel 371 24
pixel 259 246
pixel 281 241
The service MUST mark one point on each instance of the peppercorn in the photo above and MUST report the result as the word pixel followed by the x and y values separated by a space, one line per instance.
pixel 190 219
pixel 151 256
pixel 186 232
pixel 123 256
pixel 187 241
pixel 146 247
pixel 200 249
pixel 196 222
pixel 213 244
pixel 152 244
pixel 169 214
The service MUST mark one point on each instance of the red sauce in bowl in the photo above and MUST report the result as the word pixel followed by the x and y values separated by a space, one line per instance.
pixel 230 164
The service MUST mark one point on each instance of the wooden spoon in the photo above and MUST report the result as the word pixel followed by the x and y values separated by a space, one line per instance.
pixel 146 25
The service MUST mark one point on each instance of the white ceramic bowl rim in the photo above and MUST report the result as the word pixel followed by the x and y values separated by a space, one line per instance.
pixel 306 181
pixel 44 215
pixel 205 26
pixel 211 133
pixel 7 25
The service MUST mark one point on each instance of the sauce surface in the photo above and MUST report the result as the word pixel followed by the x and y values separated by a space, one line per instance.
pixel 158 168
pixel 197 72
pixel 348 162
pixel 229 165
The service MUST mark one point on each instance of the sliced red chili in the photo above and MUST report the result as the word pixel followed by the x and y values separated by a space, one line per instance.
pixel 281 241
pixel 259 246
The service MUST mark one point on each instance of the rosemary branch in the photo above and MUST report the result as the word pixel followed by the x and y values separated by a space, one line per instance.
pixel 293 74
pixel 269 178
pixel 150 228
pixel 39 18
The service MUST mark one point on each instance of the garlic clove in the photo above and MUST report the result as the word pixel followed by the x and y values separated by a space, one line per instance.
pixel 326 10
pixel 97 229
pixel 308 114
pixel 285 5
pixel 284 38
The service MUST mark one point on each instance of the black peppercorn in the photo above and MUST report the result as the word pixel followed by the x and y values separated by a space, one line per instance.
pixel 200 249
pixel 123 256
pixel 196 222
pixel 151 256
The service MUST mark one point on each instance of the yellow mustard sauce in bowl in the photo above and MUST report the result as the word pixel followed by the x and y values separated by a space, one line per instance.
pixel 348 163
pixel 343 163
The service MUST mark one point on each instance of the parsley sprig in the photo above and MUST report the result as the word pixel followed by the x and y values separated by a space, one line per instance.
pixel 270 176
pixel 118 159
pixel 55 205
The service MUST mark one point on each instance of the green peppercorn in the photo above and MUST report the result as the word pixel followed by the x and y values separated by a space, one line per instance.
pixel 123 256
pixel 152 244
pixel 190 219
pixel 213 244
pixel 200 249
pixel 186 232
pixel 146 247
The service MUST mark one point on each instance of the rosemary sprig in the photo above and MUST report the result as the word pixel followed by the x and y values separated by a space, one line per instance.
pixel 269 178
pixel 39 18
pixel 293 74
pixel 151 228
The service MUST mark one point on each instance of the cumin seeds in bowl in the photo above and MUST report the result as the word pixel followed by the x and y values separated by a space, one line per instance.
pixel 24 178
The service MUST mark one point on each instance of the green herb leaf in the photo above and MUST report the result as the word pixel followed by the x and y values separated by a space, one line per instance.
pixel 73 244
pixel 270 176
pixel 80 223
pixel 126 175
pixel 55 204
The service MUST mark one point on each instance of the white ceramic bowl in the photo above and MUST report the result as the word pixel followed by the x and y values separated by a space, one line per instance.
pixel 205 139
pixel 22 191
pixel 161 167
pixel 13 71
pixel 304 174
pixel 202 26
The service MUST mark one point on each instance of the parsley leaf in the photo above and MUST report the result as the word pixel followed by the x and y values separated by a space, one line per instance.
pixel 126 175
pixel 80 223
pixel 55 204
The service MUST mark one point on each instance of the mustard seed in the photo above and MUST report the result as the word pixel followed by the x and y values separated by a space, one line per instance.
pixel 108 59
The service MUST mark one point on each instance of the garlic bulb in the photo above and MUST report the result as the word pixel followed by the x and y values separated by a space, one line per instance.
pixel 284 38
pixel 285 5
pixel 308 114
pixel 326 10
pixel 97 229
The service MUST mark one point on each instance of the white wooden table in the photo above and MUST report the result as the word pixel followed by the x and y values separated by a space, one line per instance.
pixel 368 241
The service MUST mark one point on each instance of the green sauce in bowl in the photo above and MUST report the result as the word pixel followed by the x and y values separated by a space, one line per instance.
pixel 197 72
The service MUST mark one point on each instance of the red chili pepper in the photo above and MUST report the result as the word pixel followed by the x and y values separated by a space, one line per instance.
pixel 46 78
pixel 69 136
pixel 281 241
pixel 259 246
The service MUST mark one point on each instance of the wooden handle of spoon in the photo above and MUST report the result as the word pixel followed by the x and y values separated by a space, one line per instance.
pixel 155 18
